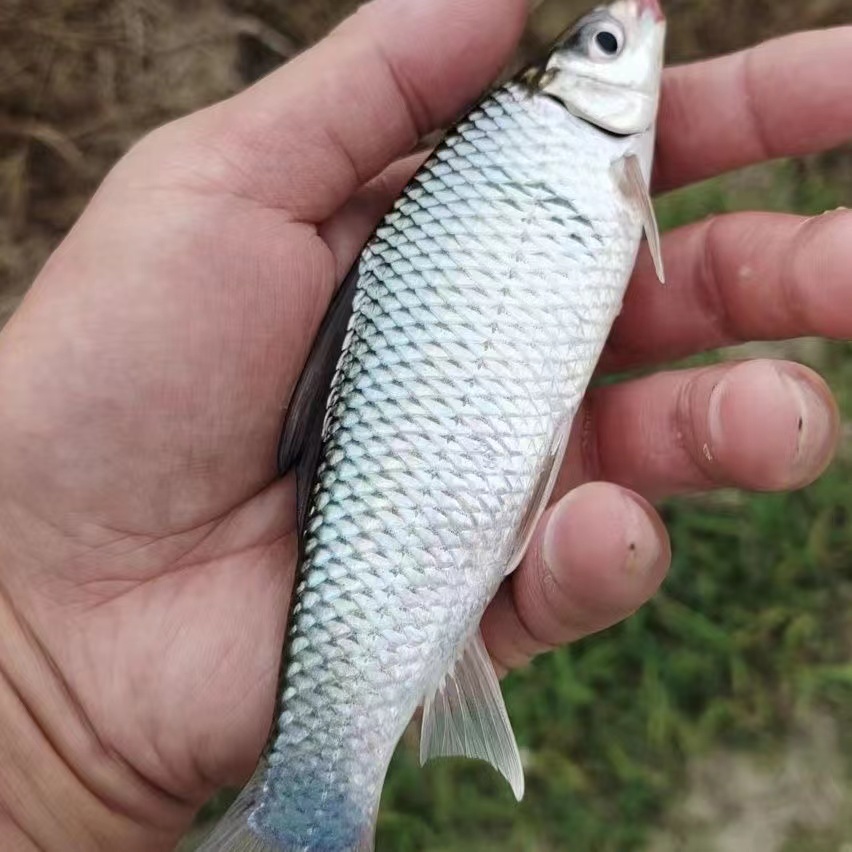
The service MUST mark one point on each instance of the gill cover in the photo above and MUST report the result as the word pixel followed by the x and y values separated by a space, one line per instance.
pixel 607 69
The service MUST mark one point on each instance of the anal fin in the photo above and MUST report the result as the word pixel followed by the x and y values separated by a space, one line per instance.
pixel 466 717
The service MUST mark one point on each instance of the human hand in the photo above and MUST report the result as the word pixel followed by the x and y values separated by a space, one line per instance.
pixel 147 550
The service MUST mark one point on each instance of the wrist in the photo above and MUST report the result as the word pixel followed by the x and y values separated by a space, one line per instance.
pixel 61 787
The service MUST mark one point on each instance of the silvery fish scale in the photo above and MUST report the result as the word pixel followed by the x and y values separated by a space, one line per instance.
pixel 482 306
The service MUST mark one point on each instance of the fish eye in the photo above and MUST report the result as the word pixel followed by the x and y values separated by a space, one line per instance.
pixel 606 42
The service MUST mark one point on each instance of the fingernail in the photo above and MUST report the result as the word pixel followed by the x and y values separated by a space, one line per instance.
pixel 816 427
pixel 631 520
pixel 549 544
pixel 715 424
pixel 643 541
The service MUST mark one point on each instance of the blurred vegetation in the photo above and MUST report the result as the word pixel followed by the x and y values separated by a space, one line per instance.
pixel 753 632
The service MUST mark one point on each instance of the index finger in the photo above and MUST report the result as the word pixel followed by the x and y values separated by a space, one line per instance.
pixel 784 98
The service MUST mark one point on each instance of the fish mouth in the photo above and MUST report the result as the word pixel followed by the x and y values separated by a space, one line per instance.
pixel 652 8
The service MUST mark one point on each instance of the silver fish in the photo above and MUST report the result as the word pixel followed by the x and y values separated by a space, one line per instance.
pixel 432 418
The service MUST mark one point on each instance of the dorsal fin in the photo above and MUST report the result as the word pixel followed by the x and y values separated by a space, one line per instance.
pixel 301 439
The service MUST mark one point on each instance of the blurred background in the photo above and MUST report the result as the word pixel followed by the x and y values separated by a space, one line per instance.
pixel 718 718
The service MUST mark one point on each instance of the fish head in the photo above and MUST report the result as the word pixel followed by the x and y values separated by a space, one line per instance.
pixel 607 69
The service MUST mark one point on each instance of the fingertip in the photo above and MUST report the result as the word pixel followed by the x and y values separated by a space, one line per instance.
pixel 606 549
pixel 599 555
pixel 772 426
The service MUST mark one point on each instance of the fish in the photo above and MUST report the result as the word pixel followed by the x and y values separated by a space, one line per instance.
pixel 431 420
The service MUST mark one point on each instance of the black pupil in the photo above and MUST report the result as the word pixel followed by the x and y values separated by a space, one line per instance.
pixel 607 42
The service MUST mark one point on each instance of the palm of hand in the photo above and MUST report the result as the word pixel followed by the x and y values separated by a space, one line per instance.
pixel 165 528
pixel 153 550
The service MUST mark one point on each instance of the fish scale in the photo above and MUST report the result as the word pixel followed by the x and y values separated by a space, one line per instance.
pixel 481 307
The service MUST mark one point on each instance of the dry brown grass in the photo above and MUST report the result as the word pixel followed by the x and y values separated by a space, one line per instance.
pixel 80 80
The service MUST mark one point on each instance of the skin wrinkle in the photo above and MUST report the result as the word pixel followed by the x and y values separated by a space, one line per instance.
pixel 684 427
pixel 521 646
pixel 508 652
pixel 529 624
pixel 95 553
pixel 23 834
pixel 175 566
pixel 790 284
pixel 579 621
pixel 343 153
pixel 202 776
pixel 104 795
pixel 414 106
pixel 765 147
pixel 205 530
pixel 73 712
pixel 711 283
pixel 214 172
pixel 592 464
pixel 180 563
pixel 319 302
pixel 239 777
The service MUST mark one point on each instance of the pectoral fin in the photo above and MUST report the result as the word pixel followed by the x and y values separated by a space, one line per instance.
pixel 637 190
pixel 466 717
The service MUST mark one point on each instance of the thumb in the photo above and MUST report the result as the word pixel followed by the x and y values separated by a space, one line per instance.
pixel 306 137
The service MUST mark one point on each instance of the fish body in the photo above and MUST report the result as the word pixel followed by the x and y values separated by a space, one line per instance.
pixel 470 327
pixel 480 312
